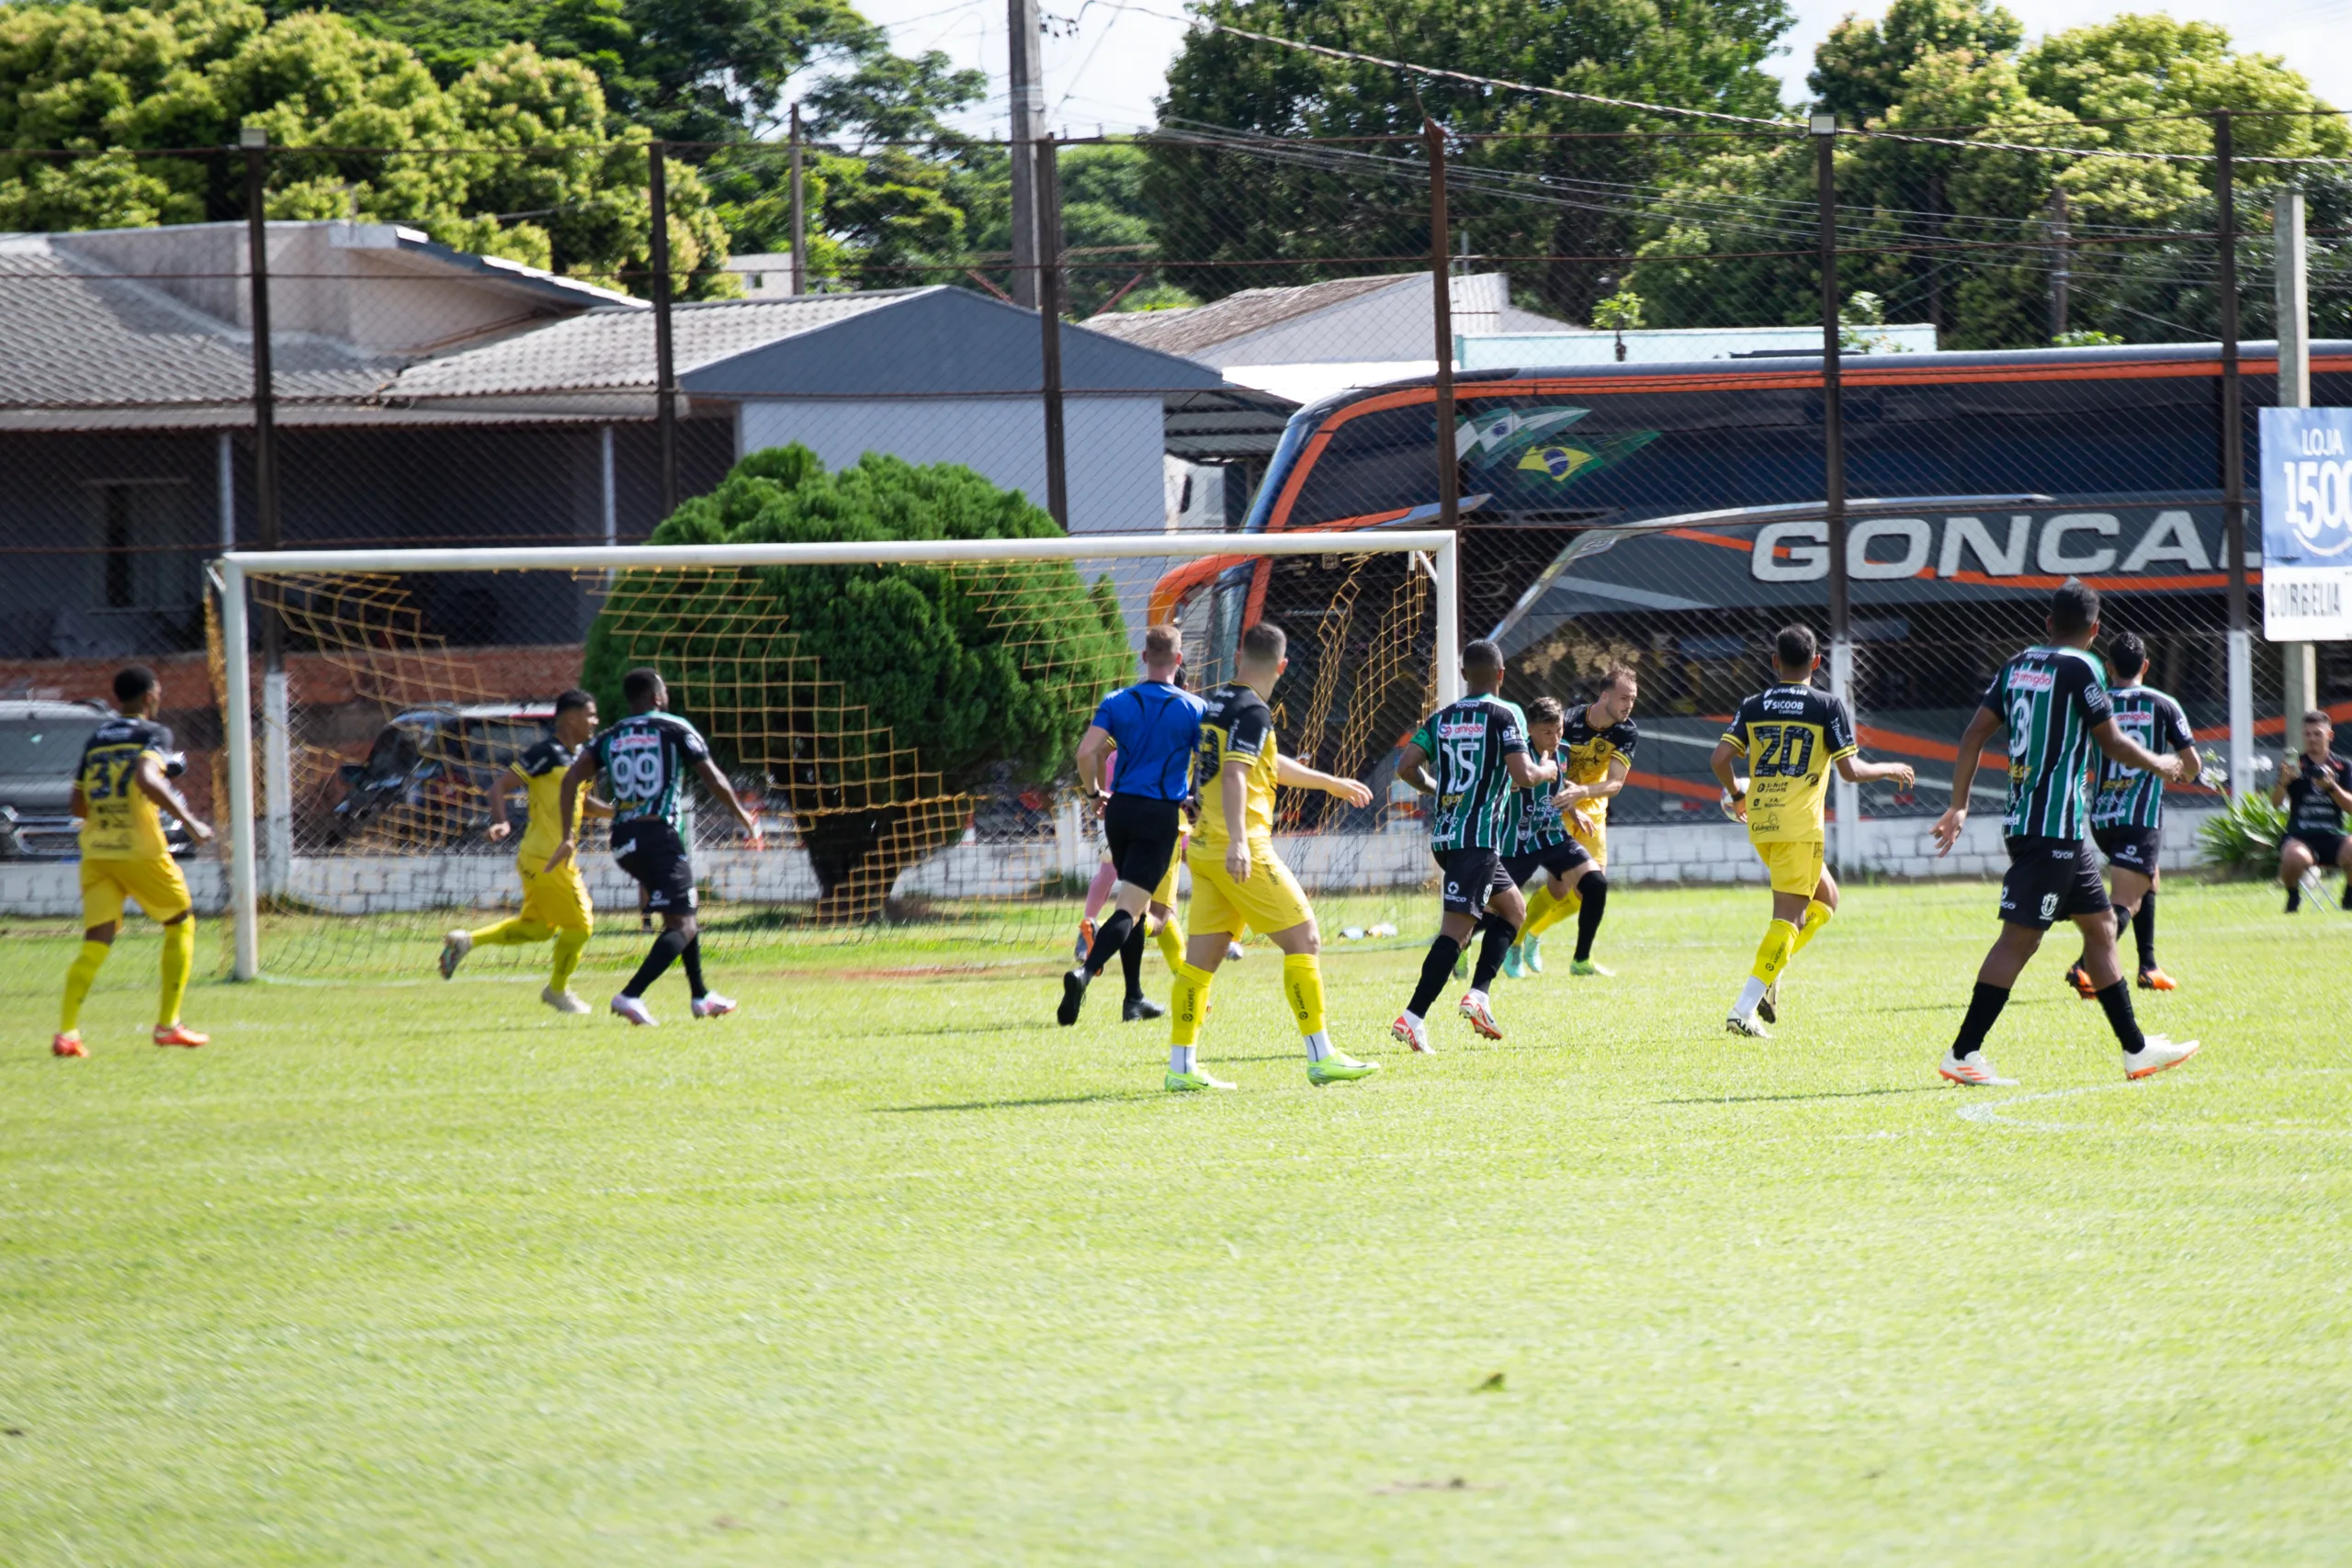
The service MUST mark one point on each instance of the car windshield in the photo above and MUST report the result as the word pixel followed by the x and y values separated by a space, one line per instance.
pixel 44 746
pixel 499 741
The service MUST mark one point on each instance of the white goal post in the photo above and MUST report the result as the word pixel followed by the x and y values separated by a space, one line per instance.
pixel 1440 549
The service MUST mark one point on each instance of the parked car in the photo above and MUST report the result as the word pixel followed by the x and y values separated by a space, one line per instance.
pixel 40 750
pixel 426 778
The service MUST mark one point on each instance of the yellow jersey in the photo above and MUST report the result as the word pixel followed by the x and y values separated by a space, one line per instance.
pixel 120 822
pixel 542 769
pixel 1791 736
pixel 1587 751
pixel 1238 727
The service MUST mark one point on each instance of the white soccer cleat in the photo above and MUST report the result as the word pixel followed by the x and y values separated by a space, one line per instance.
pixel 1479 1016
pixel 2156 1055
pixel 1977 1069
pixel 1412 1032
pixel 710 1004
pixel 1734 1024
pixel 563 1001
pixel 633 1010
pixel 454 948
pixel 1235 952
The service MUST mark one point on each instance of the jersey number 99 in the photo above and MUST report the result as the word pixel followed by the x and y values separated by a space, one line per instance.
pixel 637 775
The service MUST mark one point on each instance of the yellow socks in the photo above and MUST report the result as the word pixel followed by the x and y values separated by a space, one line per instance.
pixel 1772 954
pixel 512 932
pixel 1303 988
pixel 1547 908
pixel 568 947
pixel 1187 1004
pixel 1171 942
pixel 1816 915
pixel 78 977
pixel 179 957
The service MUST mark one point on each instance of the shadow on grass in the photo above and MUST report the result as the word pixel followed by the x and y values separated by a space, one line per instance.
pixel 1822 1094
pixel 1107 1099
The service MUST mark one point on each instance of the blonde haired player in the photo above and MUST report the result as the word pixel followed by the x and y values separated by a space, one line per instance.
pixel 1789 735
pixel 555 903
pixel 1239 880
pixel 120 790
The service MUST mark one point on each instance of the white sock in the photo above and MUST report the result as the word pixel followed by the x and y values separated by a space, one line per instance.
pixel 1414 1017
pixel 1179 1058
pixel 1475 995
pixel 1749 995
pixel 1318 1046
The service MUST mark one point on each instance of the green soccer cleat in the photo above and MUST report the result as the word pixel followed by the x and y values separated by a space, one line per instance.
pixel 1191 1082
pixel 1338 1068
pixel 1461 965
pixel 1587 966
pixel 1514 968
pixel 1530 954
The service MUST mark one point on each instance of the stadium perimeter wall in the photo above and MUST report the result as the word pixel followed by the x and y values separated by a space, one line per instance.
pixel 1638 853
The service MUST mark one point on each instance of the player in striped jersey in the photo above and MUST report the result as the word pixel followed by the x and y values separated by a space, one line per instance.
pixel 1479 745
pixel 1596 752
pixel 2127 816
pixel 1543 846
pixel 2053 701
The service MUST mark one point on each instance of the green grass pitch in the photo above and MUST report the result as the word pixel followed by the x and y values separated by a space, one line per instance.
pixel 887 1269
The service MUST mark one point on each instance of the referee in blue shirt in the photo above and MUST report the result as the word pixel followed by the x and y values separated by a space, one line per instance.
pixel 1154 723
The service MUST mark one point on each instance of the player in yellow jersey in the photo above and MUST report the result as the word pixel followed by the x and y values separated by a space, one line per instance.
pixel 1597 743
pixel 1789 735
pixel 555 903
pixel 1239 880
pixel 120 791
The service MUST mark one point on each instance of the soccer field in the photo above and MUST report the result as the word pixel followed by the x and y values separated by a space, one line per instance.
pixel 887 1269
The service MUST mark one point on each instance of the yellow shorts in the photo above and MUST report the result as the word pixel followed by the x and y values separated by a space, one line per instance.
pixel 1165 893
pixel 1794 866
pixel 1271 900
pixel 557 899
pixel 155 884
pixel 1596 842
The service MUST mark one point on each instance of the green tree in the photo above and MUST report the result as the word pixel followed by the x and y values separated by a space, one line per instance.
pixel 1322 212
pixel 568 193
pixel 872 698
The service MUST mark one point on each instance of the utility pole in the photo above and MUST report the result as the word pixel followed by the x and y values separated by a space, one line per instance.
pixel 1028 96
pixel 1049 325
pixel 2301 685
pixel 666 383
pixel 1824 128
pixel 277 746
pixel 799 214
pixel 2232 454
pixel 1449 475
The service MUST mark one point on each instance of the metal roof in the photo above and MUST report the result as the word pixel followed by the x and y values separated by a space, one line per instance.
pixel 1197 328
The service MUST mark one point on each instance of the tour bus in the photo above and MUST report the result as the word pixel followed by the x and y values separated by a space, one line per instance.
pixel 1670 517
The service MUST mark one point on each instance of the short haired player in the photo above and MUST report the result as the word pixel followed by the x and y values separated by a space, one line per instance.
pixel 2317 791
pixel 1596 756
pixel 645 760
pixel 1790 734
pixel 2053 701
pixel 1545 847
pixel 1239 880
pixel 556 906
pixel 2128 812
pixel 122 787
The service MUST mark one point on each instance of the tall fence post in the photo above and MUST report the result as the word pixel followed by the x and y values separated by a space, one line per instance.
pixel 665 382
pixel 2291 269
pixel 277 750
pixel 2232 452
pixel 1448 461
pixel 1823 128
pixel 799 213
pixel 1047 199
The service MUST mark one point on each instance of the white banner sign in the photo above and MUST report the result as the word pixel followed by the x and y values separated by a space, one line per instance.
pixel 2307 524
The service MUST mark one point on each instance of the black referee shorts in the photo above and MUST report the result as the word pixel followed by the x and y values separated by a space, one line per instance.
pixel 1141 833
pixel 2051 880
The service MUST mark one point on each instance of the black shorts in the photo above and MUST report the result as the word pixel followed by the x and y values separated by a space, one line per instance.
pixel 2051 880
pixel 655 854
pixel 1470 878
pixel 1141 833
pixel 1558 858
pixel 2324 845
pixel 2129 847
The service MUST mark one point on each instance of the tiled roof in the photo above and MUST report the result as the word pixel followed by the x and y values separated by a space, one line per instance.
pixel 612 350
pixel 79 340
pixel 1198 328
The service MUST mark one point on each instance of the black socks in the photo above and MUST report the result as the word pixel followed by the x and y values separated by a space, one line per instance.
pixel 1501 935
pixel 1593 888
pixel 691 957
pixel 666 949
pixel 1109 936
pixel 2143 930
pixel 1983 1008
pixel 2117 1000
pixel 1436 970
pixel 1131 960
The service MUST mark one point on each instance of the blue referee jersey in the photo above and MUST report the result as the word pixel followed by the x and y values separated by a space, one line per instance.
pixel 1156 726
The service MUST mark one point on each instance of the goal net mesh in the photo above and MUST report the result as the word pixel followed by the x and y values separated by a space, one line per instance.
pixel 905 732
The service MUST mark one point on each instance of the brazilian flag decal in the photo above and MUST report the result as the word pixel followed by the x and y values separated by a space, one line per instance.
pixel 1547 464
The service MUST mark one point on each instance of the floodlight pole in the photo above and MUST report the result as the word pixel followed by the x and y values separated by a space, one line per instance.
pixel 1047 199
pixel 277 768
pixel 1824 128
pixel 2301 690
pixel 2233 452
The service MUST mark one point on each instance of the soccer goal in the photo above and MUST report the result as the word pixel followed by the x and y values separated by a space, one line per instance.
pixel 901 714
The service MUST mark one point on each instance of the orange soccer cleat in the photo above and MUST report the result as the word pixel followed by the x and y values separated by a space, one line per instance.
pixel 68 1044
pixel 180 1034
pixel 2157 980
pixel 2081 982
